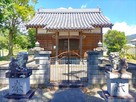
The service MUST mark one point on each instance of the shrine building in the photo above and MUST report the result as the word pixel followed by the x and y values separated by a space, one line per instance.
pixel 69 30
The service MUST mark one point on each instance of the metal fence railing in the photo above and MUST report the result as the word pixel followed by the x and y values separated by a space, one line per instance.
pixel 68 70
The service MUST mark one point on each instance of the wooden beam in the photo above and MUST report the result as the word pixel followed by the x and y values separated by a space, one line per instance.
pixel 68 41
pixel 80 43
pixel 36 33
pixel 71 37
pixel 101 36
pixel 57 45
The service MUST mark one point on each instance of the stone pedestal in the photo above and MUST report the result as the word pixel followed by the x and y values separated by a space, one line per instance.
pixel 43 60
pixel 19 84
pixel 118 87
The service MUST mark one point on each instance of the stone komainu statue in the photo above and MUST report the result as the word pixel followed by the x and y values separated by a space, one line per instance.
pixel 19 64
pixel 123 65
pixel 114 60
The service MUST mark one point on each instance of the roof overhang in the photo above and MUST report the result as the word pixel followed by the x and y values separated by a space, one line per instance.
pixel 48 28
pixel 69 20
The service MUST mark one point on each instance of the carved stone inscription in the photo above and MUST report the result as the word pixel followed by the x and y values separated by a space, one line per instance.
pixel 17 87
pixel 118 87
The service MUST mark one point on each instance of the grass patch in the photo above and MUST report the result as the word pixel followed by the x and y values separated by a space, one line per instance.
pixel 4 59
pixel 131 61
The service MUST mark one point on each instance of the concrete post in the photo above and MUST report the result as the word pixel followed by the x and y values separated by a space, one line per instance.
pixel 92 65
pixel 43 59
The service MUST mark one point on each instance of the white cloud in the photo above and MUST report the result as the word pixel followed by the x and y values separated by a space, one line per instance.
pixel 105 30
pixel 65 8
pixel 84 6
pixel 70 8
pixel 62 8
pixel 123 27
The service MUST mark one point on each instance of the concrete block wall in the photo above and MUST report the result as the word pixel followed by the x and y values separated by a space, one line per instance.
pixel 40 76
pixel 3 79
pixel 132 69
pixel 95 74
pixel 37 77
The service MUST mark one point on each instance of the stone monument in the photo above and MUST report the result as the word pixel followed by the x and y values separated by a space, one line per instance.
pixel 19 78
pixel 118 82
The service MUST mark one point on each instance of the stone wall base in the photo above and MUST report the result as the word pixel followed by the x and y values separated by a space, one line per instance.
pixel 108 98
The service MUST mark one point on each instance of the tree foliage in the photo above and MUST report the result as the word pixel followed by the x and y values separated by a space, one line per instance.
pixel 31 38
pixel 3 40
pixel 115 40
pixel 12 14
pixel 21 40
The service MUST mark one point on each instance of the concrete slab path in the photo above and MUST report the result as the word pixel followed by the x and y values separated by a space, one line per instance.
pixel 68 95
pixel 62 95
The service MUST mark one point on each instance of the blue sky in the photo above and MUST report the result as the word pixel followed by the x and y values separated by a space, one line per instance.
pixel 120 12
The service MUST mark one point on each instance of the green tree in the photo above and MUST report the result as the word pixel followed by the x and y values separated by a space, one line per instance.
pixel 115 40
pixel 4 13
pixel 15 12
pixel 3 40
pixel 31 38
pixel 21 40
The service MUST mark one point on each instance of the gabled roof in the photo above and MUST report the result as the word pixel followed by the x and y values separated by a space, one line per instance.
pixel 69 19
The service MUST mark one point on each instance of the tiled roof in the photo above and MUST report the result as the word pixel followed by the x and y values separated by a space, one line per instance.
pixel 69 19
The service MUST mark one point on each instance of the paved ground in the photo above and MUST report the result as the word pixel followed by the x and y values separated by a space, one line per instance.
pixel 58 95
pixel 68 95
pixel 62 95
pixel 39 96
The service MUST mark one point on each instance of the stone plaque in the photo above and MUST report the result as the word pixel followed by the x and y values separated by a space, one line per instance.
pixel 19 85
pixel 118 87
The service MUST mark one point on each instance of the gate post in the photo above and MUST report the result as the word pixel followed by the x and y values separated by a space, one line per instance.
pixel 43 59
pixel 92 66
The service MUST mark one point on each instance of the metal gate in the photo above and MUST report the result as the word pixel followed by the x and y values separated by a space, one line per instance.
pixel 68 69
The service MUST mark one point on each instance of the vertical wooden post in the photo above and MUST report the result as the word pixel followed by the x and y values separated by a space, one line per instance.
pixel 68 53
pixel 80 34
pixel 101 36
pixel 36 33
pixel 68 42
pixel 57 33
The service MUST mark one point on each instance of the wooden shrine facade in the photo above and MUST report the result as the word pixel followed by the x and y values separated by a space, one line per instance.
pixel 76 30
pixel 79 42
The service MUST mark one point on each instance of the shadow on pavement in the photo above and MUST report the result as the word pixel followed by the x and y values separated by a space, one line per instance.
pixel 39 96
pixel 68 95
